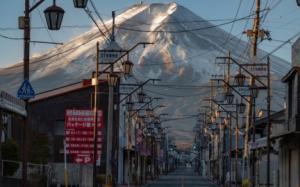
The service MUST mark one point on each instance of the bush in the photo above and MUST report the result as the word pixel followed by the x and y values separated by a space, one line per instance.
pixel 246 183
pixel 39 149
pixel 10 151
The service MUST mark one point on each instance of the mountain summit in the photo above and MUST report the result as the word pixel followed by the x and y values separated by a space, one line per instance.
pixel 183 54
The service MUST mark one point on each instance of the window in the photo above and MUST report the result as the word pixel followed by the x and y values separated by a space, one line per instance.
pixel 7 127
pixel 290 98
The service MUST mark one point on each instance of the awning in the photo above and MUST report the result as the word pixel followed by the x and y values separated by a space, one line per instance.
pixel 12 104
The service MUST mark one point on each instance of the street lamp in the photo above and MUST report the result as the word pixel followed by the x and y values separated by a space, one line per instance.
pixel 129 106
pixel 149 112
pixel 298 2
pixel 254 91
pixel 156 122
pixel 241 107
pixel 127 67
pixel 213 119
pixel 54 15
pixel 240 79
pixel 80 3
pixel 226 121
pixel 141 96
pixel 229 98
pixel 112 79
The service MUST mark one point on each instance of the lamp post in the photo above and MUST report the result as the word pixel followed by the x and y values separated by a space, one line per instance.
pixel 54 16
pixel 112 80
pixel 229 98
pixel 240 79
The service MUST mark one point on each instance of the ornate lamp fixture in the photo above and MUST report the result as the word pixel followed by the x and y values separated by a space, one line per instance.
pixel 112 79
pixel 127 67
pixel 80 3
pixel 254 91
pixel 129 106
pixel 149 112
pixel 213 119
pixel 229 98
pixel 240 79
pixel 54 16
pixel 241 107
pixel 141 96
pixel 218 113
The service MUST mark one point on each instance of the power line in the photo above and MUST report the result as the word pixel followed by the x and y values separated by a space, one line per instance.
pixel 99 16
pixel 186 30
pixel 281 45
pixel 46 28
pixel 9 37
pixel 88 12
pixel 231 28
pixel 170 95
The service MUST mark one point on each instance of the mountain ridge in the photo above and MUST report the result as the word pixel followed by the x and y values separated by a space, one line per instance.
pixel 185 58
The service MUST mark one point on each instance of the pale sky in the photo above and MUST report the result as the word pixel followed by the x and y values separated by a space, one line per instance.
pixel 283 21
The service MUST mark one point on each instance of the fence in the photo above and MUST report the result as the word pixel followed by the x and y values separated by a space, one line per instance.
pixel 37 174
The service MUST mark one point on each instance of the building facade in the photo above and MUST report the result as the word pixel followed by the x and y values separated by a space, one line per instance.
pixel 47 117
pixel 289 136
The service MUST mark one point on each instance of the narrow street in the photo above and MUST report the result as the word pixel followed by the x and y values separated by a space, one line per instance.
pixel 182 177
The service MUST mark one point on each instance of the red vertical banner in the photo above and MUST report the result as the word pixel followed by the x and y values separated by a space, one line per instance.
pixel 79 134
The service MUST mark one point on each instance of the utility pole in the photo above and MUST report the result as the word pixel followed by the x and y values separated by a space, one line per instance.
pixel 236 145
pixel 1 129
pixel 269 124
pixel 230 147
pixel 26 51
pixel 254 34
pixel 110 124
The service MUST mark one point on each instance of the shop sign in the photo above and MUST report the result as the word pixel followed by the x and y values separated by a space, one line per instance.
pixel 79 135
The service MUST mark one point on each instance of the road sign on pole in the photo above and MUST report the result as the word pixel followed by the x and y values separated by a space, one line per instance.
pixel 26 91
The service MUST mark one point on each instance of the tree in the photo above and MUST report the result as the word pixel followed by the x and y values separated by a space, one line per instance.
pixel 39 149
pixel 38 154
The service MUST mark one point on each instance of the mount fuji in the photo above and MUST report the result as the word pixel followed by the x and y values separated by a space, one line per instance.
pixel 183 57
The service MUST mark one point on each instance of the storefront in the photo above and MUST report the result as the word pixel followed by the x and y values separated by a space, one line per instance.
pixel 47 116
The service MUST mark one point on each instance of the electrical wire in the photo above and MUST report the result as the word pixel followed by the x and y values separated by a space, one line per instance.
pixel 186 30
pixel 10 38
pixel 98 15
pixel 44 27
pixel 88 12
pixel 170 95
pixel 281 45
pixel 232 26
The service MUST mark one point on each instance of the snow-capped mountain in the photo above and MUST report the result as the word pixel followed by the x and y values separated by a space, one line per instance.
pixel 183 57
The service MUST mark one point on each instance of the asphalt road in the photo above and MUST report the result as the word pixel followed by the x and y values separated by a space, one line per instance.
pixel 182 177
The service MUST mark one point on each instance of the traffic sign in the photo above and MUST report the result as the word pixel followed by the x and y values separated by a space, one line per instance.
pixel 26 91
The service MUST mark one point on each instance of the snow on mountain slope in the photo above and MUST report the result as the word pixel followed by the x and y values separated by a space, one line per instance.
pixel 177 58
